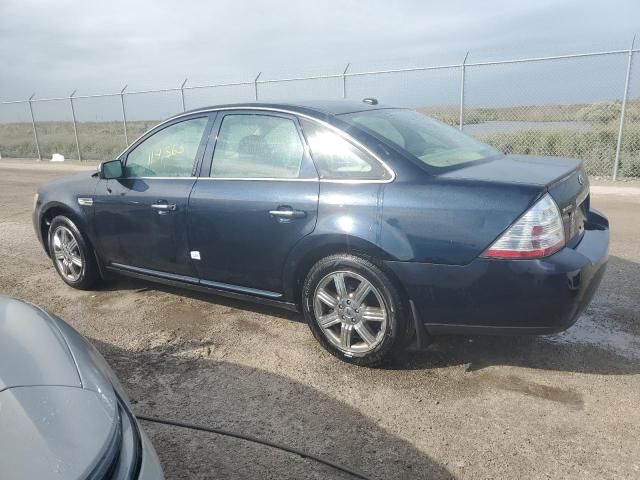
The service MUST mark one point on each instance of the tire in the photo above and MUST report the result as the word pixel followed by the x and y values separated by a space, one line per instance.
pixel 72 256
pixel 352 328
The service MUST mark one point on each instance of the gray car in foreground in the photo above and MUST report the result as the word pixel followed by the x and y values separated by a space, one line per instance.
pixel 63 412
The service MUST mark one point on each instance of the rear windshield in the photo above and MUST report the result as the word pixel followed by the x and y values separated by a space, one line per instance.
pixel 433 142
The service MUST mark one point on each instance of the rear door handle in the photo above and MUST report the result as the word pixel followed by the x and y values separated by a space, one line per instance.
pixel 287 213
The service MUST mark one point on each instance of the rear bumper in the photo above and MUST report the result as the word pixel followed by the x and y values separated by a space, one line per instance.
pixel 509 296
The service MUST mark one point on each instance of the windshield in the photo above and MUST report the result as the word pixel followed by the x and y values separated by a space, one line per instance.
pixel 433 142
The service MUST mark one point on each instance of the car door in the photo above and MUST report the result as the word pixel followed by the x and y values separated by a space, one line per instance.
pixel 253 202
pixel 141 218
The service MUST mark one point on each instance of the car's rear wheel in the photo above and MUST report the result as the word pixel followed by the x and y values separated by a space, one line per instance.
pixel 72 257
pixel 354 309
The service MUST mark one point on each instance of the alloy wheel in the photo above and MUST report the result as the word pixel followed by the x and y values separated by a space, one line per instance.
pixel 66 252
pixel 350 312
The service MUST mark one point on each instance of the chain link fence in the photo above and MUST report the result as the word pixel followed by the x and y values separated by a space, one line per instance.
pixel 629 162
pixel 583 105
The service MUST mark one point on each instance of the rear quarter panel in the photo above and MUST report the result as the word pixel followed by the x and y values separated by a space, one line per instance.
pixel 448 221
pixel 348 221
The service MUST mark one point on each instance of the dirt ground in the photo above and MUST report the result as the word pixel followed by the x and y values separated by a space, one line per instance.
pixel 566 406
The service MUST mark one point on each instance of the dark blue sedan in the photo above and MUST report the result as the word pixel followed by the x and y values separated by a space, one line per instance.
pixel 379 223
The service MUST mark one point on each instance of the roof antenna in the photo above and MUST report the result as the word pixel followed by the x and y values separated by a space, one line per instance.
pixel 370 101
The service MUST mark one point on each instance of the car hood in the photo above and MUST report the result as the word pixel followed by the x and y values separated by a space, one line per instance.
pixel 59 414
pixel 517 169
pixel 55 431
pixel 87 177
pixel 83 183
pixel 33 350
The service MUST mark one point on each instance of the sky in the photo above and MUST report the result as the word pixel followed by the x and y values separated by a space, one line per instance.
pixel 52 48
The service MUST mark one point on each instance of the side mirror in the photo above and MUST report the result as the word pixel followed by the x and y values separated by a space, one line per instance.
pixel 110 170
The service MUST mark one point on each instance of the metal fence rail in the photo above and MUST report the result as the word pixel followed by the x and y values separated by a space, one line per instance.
pixel 602 125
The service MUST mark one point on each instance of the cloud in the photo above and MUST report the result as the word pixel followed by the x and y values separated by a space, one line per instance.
pixel 54 47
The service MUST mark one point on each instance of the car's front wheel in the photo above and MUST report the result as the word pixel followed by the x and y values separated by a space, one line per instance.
pixel 72 257
pixel 353 309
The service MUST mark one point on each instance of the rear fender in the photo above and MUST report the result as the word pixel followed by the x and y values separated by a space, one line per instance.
pixel 314 247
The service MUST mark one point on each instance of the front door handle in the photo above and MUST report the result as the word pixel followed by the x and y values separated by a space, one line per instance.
pixel 164 206
pixel 287 213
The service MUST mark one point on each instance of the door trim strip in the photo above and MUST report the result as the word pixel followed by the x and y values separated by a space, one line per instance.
pixel 208 290
pixel 194 281
pixel 154 273
pixel 237 288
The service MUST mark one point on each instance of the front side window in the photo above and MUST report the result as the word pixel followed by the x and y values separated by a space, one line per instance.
pixel 257 146
pixel 433 142
pixel 337 158
pixel 171 152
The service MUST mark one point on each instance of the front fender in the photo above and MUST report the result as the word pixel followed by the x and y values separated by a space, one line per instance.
pixel 81 216
pixel 71 196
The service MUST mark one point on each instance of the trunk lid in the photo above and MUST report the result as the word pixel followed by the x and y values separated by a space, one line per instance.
pixel 571 194
pixel 564 178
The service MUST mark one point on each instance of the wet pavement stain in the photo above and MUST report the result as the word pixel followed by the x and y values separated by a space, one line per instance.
pixel 513 383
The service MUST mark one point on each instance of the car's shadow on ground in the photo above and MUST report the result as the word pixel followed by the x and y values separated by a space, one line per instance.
pixel 528 352
pixel 613 312
pixel 162 382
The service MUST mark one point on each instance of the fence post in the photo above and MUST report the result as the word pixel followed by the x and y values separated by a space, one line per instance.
pixel 33 124
pixel 184 108
pixel 255 85
pixel 75 127
pixel 344 81
pixel 623 108
pixel 124 115
pixel 462 74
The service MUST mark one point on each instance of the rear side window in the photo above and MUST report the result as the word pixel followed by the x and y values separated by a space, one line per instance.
pixel 336 158
pixel 433 142
pixel 257 146
pixel 171 152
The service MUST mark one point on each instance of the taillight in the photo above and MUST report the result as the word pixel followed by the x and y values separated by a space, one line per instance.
pixel 538 233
